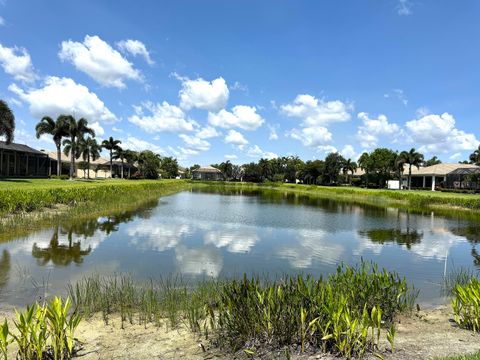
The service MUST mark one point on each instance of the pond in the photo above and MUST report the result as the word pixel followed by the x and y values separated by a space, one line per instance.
pixel 202 234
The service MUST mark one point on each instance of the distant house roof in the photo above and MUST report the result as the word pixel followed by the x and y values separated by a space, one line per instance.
pixel 207 169
pixel 66 159
pixel 19 148
pixel 465 171
pixel 439 169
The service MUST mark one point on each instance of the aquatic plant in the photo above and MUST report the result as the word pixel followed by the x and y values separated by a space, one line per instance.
pixel 42 331
pixel 343 314
pixel 466 305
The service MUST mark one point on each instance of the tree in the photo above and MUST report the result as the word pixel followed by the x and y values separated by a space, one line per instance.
pixel 366 165
pixel 111 145
pixel 89 150
pixel 71 149
pixel 119 154
pixel 382 165
pixel 148 164
pixel 433 161
pixel 265 169
pixel 75 130
pixel 412 158
pixel 169 167
pixel 334 163
pixel 130 157
pixel 7 122
pixel 226 168
pixel 400 167
pixel 351 166
pixel 58 131
pixel 311 171
pixel 475 156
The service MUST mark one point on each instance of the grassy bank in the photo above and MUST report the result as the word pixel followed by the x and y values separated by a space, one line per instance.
pixel 417 200
pixel 43 203
pixel 29 195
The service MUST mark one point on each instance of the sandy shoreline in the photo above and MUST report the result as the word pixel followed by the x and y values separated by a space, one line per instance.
pixel 423 335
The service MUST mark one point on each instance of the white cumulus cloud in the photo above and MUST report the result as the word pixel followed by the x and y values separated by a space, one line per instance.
pixel 161 118
pixel 100 61
pixel 136 48
pixel 207 132
pixel 202 94
pixel 64 96
pixel 17 63
pixel 136 144
pixel 314 112
pixel 438 134
pixel 195 143
pixel 369 133
pixel 235 138
pixel 256 152
pixel 242 116
pixel 316 137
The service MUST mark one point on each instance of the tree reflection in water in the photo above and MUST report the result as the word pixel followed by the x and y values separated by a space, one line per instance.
pixel 72 252
pixel 60 254
pixel 472 234
pixel 406 237
pixel 5 265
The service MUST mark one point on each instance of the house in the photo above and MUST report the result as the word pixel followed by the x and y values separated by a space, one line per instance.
pixel 207 173
pixel 464 178
pixel 433 176
pixel 17 160
pixel 99 168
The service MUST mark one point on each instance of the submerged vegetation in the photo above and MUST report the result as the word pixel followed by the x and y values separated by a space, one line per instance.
pixel 343 314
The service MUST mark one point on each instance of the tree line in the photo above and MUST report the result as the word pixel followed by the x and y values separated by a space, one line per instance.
pixel 78 141
pixel 378 166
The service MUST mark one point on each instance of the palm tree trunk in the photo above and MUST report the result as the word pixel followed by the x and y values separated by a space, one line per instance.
pixel 410 177
pixel 111 164
pixel 88 167
pixel 122 168
pixel 59 160
pixel 72 157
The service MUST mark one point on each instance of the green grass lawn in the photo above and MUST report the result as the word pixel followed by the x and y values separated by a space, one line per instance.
pixel 25 195
pixel 29 184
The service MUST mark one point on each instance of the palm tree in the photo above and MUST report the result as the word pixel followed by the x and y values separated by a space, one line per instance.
pixel 351 166
pixel 130 157
pixel 76 130
pixel 399 166
pixel 119 154
pixel 412 158
pixel 111 145
pixel 365 164
pixel 89 149
pixel 475 156
pixel 7 122
pixel 58 131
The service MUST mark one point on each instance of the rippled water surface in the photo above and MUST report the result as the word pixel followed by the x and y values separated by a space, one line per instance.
pixel 200 234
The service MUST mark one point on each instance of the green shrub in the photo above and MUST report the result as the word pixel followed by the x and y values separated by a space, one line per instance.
pixel 342 314
pixel 466 305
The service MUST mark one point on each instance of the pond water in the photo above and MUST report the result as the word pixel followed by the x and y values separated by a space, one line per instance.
pixel 199 234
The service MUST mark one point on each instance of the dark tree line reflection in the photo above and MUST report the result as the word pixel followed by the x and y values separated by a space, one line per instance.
pixel 72 251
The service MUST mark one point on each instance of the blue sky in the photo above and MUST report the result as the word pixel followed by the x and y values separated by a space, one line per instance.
pixel 207 81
